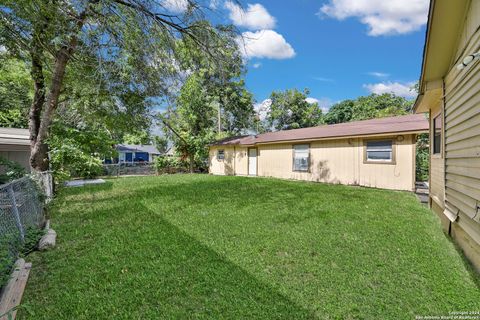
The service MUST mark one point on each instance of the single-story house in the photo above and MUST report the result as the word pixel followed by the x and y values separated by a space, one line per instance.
pixel 449 90
pixel 375 153
pixel 136 152
pixel 15 146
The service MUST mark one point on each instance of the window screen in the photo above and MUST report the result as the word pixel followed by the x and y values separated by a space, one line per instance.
pixel 220 154
pixel 437 134
pixel 300 157
pixel 379 150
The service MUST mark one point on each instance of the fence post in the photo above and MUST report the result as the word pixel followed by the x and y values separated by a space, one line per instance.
pixel 16 214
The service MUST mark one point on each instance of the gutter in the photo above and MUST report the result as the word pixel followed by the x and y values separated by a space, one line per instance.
pixel 424 58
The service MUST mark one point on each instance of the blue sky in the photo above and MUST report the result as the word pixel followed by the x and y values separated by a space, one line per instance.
pixel 339 49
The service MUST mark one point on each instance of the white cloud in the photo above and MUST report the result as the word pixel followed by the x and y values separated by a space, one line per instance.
pixel 263 108
pixel 264 44
pixel 323 103
pixel 2 49
pixel 379 74
pixel 254 17
pixel 322 79
pixel 383 17
pixel 214 4
pixel 311 100
pixel 400 89
pixel 257 65
pixel 175 6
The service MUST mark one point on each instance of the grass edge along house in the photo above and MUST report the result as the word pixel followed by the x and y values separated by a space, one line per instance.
pixel 450 91
pixel 375 153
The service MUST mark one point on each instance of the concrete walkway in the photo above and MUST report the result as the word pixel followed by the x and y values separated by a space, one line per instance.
pixel 81 183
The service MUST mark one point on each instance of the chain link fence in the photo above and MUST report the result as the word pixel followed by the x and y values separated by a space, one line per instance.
pixel 135 168
pixel 21 213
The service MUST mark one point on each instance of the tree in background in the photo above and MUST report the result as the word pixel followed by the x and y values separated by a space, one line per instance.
pixel 422 157
pixel 161 143
pixel 340 112
pixel 118 41
pixel 194 119
pixel 16 92
pixel 368 107
pixel 142 137
pixel 290 110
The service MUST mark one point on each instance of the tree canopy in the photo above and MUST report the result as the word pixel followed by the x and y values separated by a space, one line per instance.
pixel 368 107
pixel 110 59
pixel 290 110
pixel 212 102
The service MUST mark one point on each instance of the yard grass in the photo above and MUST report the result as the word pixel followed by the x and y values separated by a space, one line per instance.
pixel 199 246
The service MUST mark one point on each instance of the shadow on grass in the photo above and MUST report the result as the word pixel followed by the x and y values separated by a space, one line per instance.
pixel 474 275
pixel 152 269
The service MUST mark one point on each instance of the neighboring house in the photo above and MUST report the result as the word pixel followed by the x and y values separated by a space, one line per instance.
pixel 376 153
pixel 136 152
pixel 15 146
pixel 452 97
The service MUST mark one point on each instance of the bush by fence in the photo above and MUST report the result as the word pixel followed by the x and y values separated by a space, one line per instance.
pixel 21 219
pixel 136 168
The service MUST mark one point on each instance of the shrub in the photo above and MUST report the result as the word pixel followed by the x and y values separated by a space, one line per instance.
pixel 168 164
pixel 68 160
pixel 10 244
pixel 422 158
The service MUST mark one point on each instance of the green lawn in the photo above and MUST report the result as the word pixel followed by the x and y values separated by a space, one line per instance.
pixel 198 246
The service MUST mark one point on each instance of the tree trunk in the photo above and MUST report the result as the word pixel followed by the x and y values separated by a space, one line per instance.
pixel 39 123
pixel 192 160
pixel 39 129
pixel 38 155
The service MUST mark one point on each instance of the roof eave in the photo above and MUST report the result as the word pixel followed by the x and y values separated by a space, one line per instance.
pixel 384 134
pixel 438 50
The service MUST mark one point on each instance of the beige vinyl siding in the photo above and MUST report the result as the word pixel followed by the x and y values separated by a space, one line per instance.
pixel 462 135
pixel 338 161
pixel 331 161
pixel 235 162
pixel 241 161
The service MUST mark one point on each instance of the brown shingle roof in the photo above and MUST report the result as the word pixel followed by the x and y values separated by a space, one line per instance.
pixel 390 125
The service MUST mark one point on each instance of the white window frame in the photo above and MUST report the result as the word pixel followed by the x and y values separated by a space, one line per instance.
pixel 391 150
pixel 223 154
pixel 297 151
pixel 437 136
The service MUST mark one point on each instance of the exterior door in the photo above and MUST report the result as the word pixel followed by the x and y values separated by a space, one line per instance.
pixel 128 157
pixel 252 162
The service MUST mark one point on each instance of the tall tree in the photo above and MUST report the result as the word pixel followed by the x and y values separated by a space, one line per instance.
pixel 194 121
pixel 123 39
pixel 213 101
pixel 290 110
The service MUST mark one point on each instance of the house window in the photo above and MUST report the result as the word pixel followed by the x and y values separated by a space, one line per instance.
pixel 437 134
pixel 301 155
pixel 220 154
pixel 379 151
